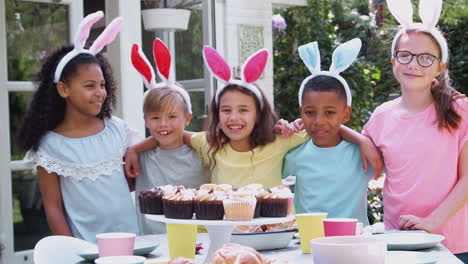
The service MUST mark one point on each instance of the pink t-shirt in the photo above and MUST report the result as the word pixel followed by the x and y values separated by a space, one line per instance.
pixel 421 164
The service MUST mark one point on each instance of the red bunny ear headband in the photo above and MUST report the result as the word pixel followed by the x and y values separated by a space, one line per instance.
pixel 106 37
pixel 251 71
pixel 162 57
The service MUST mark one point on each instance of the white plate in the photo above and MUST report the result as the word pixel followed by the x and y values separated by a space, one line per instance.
pixel 59 250
pixel 410 241
pixel 409 257
pixel 143 246
pixel 264 240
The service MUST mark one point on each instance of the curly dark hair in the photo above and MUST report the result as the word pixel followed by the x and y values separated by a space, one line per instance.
pixel 262 133
pixel 47 108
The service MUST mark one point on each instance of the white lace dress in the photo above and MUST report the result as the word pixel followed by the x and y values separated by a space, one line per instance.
pixel 94 190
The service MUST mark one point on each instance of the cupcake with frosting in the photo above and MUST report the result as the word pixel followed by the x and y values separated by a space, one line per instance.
pixel 179 203
pixel 207 187
pixel 226 188
pixel 239 206
pixel 275 202
pixel 286 190
pixel 209 205
pixel 150 201
pixel 256 189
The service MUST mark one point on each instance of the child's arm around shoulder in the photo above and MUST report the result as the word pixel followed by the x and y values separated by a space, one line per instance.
pixel 131 156
pixel 187 137
pixel 369 153
pixel 49 185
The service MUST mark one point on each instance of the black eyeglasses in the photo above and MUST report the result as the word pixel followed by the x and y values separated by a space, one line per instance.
pixel 424 59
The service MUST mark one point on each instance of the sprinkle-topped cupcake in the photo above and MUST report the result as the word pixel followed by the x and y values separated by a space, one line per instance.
pixel 208 186
pixel 179 203
pixel 150 201
pixel 209 205
pixel 275 202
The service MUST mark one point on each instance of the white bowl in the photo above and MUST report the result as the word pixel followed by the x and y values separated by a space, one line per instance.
pixel 121 260
pixel 348 249
pixel 264 240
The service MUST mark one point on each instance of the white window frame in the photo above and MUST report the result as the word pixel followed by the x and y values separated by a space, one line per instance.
pixel 6 165
pixel 207 83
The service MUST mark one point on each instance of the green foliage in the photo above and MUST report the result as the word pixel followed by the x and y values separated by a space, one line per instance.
pixel 189 45
pixel 33 29
pixel 458 62
pixel 320 21
pixel 370 77
pixel 332 22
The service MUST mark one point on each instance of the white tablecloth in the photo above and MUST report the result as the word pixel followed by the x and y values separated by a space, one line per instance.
pixel 293 253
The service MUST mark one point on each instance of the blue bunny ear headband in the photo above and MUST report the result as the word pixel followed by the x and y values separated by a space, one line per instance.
pixel 343 56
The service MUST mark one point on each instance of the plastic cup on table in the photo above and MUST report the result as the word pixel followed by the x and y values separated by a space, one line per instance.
pixel 115 244
pixel 310 226
pixel 340 226
pixel 182 240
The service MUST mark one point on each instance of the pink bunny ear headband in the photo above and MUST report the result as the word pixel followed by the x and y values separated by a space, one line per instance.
pixel 162 57
pixel 251 71
pixel 429 12
pixel 106 37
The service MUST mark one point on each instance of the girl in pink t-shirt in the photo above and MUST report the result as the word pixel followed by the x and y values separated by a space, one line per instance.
pixel 422 135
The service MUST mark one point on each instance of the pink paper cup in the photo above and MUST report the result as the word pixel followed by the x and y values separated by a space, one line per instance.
pixel 115 244
pixel 339 226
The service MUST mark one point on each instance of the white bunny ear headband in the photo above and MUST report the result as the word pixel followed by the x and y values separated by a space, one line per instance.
pixel 251 71
pixel 343 56
pixel 106 37
pixel 162 57
pixel 429 12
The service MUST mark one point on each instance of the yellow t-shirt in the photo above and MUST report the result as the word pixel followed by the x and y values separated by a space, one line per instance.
pixel 261 165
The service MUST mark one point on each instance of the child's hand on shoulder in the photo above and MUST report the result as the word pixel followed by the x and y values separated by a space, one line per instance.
pixel 131 163
pixel 284 128
pixel 298 124
pixel 457 95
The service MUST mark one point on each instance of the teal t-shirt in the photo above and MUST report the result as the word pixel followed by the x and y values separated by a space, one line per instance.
pixel 329 180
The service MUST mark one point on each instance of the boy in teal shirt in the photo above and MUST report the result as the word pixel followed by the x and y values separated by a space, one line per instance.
pixel 329 172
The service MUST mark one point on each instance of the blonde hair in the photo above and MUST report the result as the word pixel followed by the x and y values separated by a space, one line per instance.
pixel 160 99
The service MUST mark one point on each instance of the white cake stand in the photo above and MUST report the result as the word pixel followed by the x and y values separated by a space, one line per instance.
pixel 219 231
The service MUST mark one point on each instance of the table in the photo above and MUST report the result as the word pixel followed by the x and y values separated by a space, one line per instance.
pixel 292 253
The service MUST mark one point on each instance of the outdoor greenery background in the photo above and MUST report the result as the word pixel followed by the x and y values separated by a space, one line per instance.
pixel 330 22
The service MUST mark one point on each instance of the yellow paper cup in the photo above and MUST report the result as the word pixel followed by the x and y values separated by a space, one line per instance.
pixel 182 240
pixel 310 226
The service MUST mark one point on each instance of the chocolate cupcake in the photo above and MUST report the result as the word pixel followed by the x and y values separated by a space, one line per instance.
pixel 209 205
pixel 275 202
pixel 151 201
pixel 179 204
